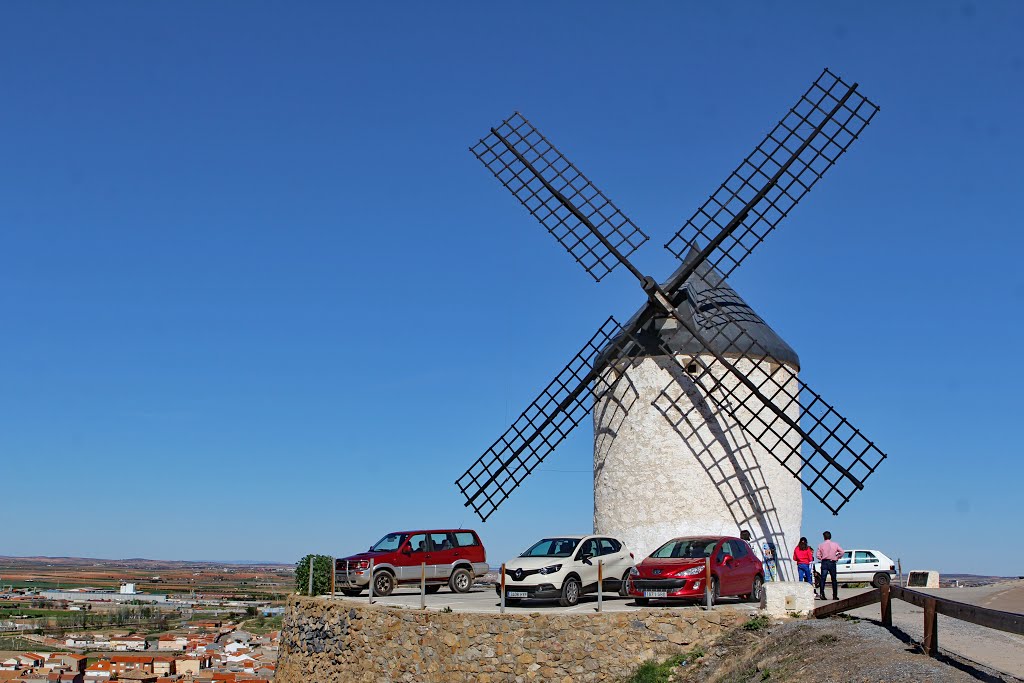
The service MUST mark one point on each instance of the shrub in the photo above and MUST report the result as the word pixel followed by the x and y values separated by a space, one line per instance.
pixel 660 672
pixel 757 623
pixel 321 575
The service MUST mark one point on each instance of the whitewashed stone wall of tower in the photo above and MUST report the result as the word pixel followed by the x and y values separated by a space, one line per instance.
pixel 668 463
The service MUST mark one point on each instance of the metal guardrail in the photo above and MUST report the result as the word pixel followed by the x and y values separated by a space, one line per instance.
pixel 1010 622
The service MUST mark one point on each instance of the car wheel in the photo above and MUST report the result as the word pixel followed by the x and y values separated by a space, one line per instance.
pixel 622 586
pixel 714 590
pixel 880 580
pixel 570 592
pixel 461 580
pixel 643 602
pixel 433 588
pixel 352 592
pixel 755 590
pixel 383 583
pixel 512 602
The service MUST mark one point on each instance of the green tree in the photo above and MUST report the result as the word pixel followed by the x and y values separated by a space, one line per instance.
pixel 321 575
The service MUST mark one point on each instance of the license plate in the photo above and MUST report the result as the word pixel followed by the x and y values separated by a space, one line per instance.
pixel 655 594
pixel 516 594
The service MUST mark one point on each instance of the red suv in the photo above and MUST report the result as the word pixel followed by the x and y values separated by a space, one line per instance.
pixel 452 556
pixel 676 570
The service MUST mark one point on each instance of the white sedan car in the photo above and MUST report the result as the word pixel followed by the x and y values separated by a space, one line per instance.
pixel 861 566
pixel 564 568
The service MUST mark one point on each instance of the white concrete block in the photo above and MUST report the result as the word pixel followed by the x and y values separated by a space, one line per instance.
pixel 923 579
pixel 780 598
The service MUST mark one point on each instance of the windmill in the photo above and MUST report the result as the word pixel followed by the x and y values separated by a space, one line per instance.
pixel 701 422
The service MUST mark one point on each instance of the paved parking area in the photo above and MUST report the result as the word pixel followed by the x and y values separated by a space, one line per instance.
pixel 483 599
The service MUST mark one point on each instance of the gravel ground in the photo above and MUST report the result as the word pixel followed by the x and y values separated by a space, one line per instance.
pixel 820 651
pixel 990 648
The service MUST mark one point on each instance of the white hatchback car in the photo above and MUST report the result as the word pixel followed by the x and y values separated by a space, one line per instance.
pixel 564 568
pixel 861 566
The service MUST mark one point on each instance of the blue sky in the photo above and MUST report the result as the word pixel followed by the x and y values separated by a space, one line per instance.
pixel 258 299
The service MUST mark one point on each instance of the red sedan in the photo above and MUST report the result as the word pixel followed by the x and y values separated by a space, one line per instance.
pixel 676 570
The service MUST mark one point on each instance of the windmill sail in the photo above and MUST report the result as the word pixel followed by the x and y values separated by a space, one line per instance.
pixel 558 195
pixel 564 403
pixel 776 175
pixel 830 456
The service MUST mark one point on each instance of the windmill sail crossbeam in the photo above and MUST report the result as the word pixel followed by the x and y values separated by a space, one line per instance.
pixel 830 430
pixel 830 456
pixel 516 137
pixel 545 423
pixel 807 142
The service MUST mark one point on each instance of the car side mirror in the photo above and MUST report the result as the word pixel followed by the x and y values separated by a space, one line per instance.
pixel 406 550
pixel 727 559
pixel 587 557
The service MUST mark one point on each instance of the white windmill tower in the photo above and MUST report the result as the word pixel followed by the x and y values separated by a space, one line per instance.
pixel 687 467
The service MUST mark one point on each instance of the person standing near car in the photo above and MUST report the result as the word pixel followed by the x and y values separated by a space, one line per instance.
pixel 745 535
pixel 828 552
pixel 803 556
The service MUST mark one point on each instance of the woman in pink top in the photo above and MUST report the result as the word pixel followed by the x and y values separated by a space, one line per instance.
pixel 804 556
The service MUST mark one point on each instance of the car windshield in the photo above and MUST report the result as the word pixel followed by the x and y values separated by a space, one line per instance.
pixel 389 543
pixel 687 548
pixel 552 547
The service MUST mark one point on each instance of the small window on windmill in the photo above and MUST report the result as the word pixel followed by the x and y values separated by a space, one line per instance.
pixel 691 368
pixel 665 324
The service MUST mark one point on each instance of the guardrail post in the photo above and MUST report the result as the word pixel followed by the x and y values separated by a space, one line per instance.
pixel 600 584
pixel 707 583
pixel 423 585
pixel 886 603
pixel 371 580
pixel 310 592
pixel 334 576
pixel 931 628
pixel 502 609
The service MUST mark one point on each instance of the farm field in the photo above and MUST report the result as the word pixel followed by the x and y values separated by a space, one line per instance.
pixel 217 580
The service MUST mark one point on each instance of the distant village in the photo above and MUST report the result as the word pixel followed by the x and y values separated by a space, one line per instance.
pixel 132 636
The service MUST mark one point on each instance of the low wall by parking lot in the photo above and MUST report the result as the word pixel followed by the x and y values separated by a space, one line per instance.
pixel 332 641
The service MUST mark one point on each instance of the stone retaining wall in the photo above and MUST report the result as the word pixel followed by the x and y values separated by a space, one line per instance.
pixel 337 641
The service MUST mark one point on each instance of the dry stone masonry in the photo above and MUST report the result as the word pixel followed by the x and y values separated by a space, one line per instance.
pixel 342 641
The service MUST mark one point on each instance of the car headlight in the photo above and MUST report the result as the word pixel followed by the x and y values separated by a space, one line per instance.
pixel 633 571
pixel 692 571
pixel 551 569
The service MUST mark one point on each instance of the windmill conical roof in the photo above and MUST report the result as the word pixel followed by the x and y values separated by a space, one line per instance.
pixel 743 333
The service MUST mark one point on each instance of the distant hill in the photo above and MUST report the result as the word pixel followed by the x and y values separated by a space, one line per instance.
pixel 136 562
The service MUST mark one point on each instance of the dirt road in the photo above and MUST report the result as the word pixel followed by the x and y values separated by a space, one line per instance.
pixel 1008 597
